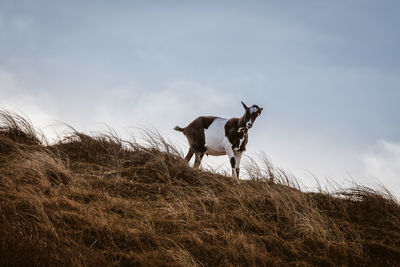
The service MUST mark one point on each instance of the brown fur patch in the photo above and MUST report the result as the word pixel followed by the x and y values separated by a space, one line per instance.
pixel 196 137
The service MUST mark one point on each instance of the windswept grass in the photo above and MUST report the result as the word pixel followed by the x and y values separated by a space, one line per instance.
pixel 97 200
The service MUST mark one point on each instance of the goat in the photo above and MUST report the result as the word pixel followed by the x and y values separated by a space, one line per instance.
pixel 218 136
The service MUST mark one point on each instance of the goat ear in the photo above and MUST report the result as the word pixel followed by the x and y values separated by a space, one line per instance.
pixel 261 109
pixel 244 105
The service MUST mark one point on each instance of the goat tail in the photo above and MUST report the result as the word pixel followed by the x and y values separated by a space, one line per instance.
pixel 179 129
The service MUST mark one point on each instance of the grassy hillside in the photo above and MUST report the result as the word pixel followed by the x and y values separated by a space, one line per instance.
pixel 98 200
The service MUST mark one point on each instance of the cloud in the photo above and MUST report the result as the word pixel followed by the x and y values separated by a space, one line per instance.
pixel 383 163
pixel 15 97
pixel 177 102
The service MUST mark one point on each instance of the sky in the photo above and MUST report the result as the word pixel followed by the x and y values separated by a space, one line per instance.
pixel 327 74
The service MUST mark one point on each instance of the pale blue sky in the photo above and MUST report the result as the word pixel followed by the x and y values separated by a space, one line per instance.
pixel 326 72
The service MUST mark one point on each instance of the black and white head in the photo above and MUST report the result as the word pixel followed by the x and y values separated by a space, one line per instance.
pixel 251 115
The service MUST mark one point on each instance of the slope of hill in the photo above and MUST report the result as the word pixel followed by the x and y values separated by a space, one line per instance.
pixel 97 200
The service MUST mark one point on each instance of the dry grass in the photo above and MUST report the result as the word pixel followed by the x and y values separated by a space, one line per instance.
pixel 98 200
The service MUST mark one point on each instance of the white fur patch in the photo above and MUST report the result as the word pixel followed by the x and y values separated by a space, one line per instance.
pixel 215 137
pixel 253 109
